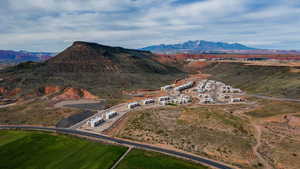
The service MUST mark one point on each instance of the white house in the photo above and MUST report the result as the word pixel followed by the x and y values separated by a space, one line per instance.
pixel 163 98
pixel 235 100
pixel 207 100
pixel 133 105
pixel 110 115
pixel 168 87
pixel 94 122
pixel 148 101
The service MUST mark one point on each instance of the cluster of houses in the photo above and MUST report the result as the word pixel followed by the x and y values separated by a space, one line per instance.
pixel 209 88
pixel 208 92
pixel 96 121
pixel 229 89
pixel 163 100
pixel 181 99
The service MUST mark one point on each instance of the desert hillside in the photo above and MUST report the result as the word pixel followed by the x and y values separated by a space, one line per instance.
pixel 104 71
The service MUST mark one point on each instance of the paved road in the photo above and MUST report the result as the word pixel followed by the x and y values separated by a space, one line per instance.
pixel 273 98
pixel 123 142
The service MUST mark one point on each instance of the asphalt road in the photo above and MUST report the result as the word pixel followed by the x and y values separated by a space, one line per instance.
pixel 123 142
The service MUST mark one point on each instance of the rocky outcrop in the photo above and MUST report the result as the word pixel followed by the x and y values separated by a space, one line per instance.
pixel 88 95
pixel 51 90
pixel 75 93
pixel 2 91
pixel 15 92
pixel 9 93
pixel 69 93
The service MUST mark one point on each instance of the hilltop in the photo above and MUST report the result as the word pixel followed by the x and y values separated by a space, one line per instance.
pixel 103 70
pixel 93 57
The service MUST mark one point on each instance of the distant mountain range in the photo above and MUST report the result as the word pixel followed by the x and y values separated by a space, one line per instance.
pixel 202 46
pixel 189 47
pixel 10 56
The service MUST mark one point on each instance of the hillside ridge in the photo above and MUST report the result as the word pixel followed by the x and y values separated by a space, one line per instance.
pixel 102 70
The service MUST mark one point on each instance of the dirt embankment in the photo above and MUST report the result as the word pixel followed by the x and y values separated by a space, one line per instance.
pixel 48 90
pixel 55 93
pixel 10 93
pixel 75 93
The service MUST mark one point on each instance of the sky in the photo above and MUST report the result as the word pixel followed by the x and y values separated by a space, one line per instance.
pixel 52 25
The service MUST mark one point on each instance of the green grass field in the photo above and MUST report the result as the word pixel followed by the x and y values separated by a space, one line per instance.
pixel 36 150
pixel 39 150
pixel 140 159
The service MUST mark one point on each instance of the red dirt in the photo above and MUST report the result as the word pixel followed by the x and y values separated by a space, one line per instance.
pixel 3 90
pixel 74 93
pixel 51 89
pixel 14 92
pixel 88 95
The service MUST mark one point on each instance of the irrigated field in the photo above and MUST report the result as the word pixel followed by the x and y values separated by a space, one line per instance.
pixel 139 159
pixel 36 150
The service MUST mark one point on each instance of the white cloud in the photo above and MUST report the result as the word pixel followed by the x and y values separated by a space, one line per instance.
pixel 52 24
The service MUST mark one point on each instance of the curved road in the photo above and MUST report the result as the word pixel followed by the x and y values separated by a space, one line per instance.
pixel 123 142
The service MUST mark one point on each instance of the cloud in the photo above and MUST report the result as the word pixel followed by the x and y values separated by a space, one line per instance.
pixel 51 25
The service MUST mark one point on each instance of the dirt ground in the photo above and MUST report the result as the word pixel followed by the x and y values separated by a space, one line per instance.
pixel 36 111
pixel 235 134
pixel 209 131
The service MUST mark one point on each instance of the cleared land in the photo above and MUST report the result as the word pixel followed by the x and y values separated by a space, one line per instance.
pixel 139 159
pixel 38 112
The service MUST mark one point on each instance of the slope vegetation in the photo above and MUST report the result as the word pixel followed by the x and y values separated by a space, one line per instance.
pixel 103 70
pixel 267 80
